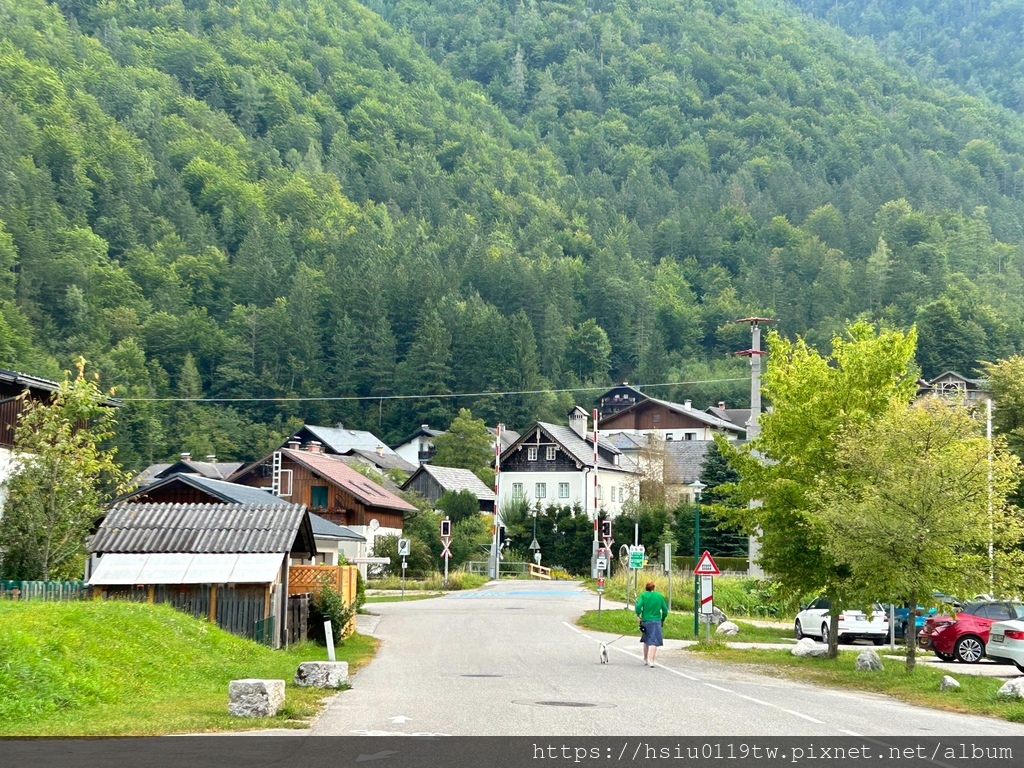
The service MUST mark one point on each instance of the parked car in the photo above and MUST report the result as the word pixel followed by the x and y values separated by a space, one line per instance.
pixel 813 621
pixel 964 636
pixel 901 613
pixel 1006 642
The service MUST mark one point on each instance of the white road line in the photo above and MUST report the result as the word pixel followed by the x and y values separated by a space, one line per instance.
pixel 801 715
pixel 849 733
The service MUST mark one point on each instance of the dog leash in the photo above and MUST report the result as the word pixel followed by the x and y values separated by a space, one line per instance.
pixel 615 640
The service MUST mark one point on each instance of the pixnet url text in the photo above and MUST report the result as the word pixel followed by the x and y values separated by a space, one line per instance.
pixel 632 751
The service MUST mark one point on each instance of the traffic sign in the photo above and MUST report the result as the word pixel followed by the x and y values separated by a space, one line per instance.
pixel 602 563
pixel 636 557
pixel 608 544
pixel 403 547
pixel 446 551
pixel 707 589
pixel 706 566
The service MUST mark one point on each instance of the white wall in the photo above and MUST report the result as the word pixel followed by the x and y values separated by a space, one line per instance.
pixel 679 433
pixel 411 451
pixel 581 488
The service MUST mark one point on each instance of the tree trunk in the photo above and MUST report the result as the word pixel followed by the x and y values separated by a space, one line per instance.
pixel 833 631
pixel 910 637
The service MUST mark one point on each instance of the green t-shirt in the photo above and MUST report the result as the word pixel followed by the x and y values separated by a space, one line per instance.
pixel 651 606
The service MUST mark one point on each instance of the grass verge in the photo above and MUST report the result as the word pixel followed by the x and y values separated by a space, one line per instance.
pixel 678 626
pixel 110 668
pixel 398 598
pixel 435 583
pixel 976 695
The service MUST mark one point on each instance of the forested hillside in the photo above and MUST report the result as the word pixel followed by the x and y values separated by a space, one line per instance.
pixel 975 44
pixel 306 199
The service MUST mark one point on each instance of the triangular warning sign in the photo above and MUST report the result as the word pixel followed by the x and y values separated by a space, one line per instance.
pixel 706 566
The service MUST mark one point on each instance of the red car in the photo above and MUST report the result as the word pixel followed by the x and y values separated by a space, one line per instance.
pixel 963 638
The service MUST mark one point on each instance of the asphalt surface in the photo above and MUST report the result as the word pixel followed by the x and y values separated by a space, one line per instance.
pixel 508 660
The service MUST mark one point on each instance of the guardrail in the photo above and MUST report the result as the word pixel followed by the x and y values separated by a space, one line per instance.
pixel 540 572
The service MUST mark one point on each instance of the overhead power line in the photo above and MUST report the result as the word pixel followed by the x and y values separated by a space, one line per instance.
pixel 376 398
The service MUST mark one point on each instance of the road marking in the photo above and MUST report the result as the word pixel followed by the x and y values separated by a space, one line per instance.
pixel 849 733
pixel 382 755
pixel 401 719
pixel 709 685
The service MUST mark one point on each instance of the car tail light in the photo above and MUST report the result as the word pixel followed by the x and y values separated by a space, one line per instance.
pixel 841 617
pixel 1015 634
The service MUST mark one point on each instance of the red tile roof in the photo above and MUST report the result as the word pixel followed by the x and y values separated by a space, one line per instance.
pixel 336 471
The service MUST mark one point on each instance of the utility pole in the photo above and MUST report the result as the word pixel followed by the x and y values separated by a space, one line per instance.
pixel 753 424
pixel 495 544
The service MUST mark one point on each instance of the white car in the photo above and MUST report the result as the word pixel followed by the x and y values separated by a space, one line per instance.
pixel 1006 642
pixel 813 621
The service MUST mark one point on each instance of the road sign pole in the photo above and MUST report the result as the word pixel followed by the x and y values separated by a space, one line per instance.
pixel 403 579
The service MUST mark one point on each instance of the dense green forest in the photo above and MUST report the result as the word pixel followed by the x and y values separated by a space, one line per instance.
pixel 287 199
pixel 974 44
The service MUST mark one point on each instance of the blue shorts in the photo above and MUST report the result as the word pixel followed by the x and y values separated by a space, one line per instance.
pixel 650 633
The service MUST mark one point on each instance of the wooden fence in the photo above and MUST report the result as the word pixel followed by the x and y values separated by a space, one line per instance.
pixel 51 591
pixel 308 579
pixel 298 618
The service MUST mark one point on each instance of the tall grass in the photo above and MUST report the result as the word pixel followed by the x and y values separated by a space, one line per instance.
pixel 735 595
pixel 457 580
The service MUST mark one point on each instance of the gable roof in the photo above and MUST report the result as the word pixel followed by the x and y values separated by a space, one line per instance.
pixel 684 460
pixel 580 449
pixel 204 528
pixel 737 416
pixel 387 461
pixel 695 413
pixel 508 436
pixel 336 471
pixel 24 381
pixel 455 479
pixel 341 440
pixel 215 469
pixel 980 383
pixel 221 490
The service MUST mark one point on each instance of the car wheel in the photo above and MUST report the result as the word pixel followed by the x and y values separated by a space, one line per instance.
pixel 824 633
pixel 878 640
pixel 903 630
pixel 1019 666
pixel 798 631
pixel 969 649
pixel 945 656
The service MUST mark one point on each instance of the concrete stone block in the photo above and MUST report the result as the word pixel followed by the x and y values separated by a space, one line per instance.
pixel 322 674
pixel 255 698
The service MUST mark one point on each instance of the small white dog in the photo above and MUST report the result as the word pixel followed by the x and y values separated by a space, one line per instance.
pixel 604 653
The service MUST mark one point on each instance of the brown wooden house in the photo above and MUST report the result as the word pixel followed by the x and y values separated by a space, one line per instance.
pixel 329 487
pixel 670 421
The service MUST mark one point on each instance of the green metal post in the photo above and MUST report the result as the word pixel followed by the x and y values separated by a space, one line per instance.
pixel 696 558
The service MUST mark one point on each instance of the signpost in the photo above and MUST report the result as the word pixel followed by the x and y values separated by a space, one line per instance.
pixel 403 550
pixel 668 570
pixel 446 540
pixel 636 557
pixel 705 570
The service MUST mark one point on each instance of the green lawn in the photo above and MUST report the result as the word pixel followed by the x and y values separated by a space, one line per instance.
pixel 678 626
pixel 110 668
pixel 976 695
pixel 398 598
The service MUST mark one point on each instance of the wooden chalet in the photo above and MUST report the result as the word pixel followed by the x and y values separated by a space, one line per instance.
pixel 328 486
pixel 433 482
pixel 671 421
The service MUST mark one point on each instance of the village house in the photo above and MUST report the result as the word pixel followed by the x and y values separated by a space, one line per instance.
pixel 432 482
pixel 419 448
pixel 356 445
pixel 330 488
pixel 669 421
pixel 211 468
pixel 553 464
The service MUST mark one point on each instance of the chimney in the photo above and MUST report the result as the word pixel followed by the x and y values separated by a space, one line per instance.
pixel 186 457
pixel 578 421
pixel 340 425
pixel 380 449
pixel 721 405
pixel 424 427
pixel 211 458
pixel 313 446
pixel 687 404
pixel 294 444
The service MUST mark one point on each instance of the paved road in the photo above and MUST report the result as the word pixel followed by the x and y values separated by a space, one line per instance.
pixel 507 660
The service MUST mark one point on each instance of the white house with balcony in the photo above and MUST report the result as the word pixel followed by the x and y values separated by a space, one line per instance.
pixel 552 464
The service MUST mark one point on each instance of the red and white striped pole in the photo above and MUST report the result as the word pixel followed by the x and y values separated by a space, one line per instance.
pixel 597 508
pixel 495 544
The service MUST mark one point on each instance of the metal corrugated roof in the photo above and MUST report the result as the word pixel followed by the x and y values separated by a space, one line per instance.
pixel 325 529
pixel 117 569
pixel 455 479
pixel 339 473
pixel 199 528
pixel 346 440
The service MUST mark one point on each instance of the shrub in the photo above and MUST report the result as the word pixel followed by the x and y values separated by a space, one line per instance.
pixel 328 603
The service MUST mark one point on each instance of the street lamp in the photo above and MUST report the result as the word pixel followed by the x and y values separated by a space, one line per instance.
pixel 535 546
pixel 696 486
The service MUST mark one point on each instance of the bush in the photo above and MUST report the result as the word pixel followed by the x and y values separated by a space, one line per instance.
pixel 328 603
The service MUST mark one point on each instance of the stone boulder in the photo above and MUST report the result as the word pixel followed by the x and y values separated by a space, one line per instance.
pixel 868 661
pixel 322 674
pixel 727 628
pixel 255 698
pixel 1012 689
pixel 716 617
pixel 808 648
pixel 948 683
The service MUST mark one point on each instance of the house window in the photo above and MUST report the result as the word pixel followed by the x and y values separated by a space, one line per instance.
pixel 318 496
pixel 690 435
pixel 531 454
pixel 541 490
pixel 668 437
pixel 550 455
pixel 517 490
pixel 563 490
pixel 620 493
pixel 611 495
pixel 600 492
